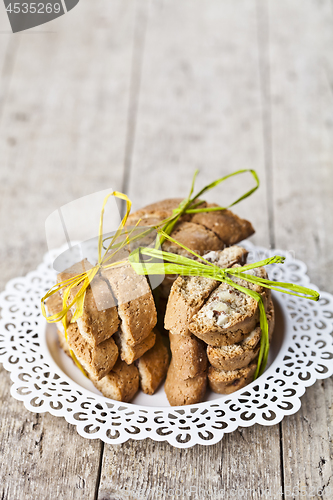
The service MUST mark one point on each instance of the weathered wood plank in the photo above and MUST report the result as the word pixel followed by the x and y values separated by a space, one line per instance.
pixel 64 122
pixel 149 470
pixel 200 106
pixel 63 135
pixel 307 445
pixel 302 103
pixel 302 141
pixel 200 91
pixel 42 456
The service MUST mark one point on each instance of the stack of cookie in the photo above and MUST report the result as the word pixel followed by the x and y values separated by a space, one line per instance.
pixel 115 339
pixel 214 331
pixel 213 328
pixel 233 366
pixel 200 232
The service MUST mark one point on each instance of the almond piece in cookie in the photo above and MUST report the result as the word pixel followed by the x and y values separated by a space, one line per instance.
pixel 188 294
pixel 236 356
pixel 229 315
pixel 227 257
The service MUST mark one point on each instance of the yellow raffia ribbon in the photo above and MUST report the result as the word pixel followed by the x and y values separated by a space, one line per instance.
pixel 85 278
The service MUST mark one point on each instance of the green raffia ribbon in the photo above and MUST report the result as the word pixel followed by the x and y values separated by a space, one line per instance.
pixel 177 264
pixel 190 205
pixel 173 264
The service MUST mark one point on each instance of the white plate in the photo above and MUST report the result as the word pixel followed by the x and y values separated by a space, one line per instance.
pixel 45 379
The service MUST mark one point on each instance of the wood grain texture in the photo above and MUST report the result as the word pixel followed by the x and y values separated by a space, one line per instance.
pixel 307 445
pixel 63 135
pixel 64 122
pixel 301 103
pixel 200 106
pixel 42 456
pixel 136 96
pixel 149 470
pixel 302 124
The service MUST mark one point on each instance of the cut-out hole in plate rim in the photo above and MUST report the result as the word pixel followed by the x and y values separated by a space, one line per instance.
pixel 45 379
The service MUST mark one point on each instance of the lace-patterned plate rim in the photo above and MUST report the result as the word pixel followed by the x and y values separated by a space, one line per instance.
pixel 305 354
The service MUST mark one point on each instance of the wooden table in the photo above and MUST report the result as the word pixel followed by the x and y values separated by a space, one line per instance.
pixel 135 96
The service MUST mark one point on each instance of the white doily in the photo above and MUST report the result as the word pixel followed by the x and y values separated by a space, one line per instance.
pixel 45 380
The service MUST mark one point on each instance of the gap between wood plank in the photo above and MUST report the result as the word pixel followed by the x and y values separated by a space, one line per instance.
pixel 281 460
pixel 141 20
pixel 265 85
pixel 99 471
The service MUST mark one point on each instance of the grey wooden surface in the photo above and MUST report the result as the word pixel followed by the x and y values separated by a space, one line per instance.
pixel 135 95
